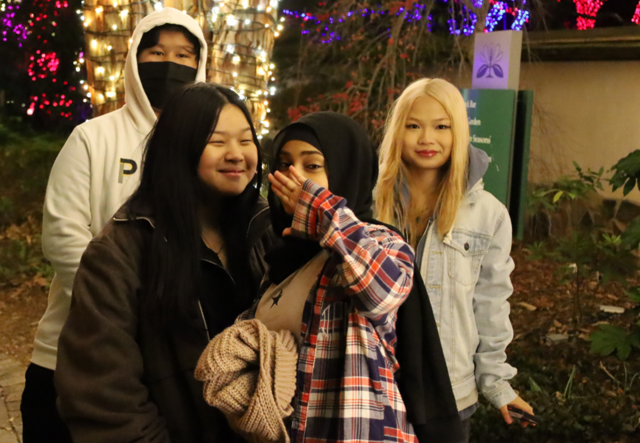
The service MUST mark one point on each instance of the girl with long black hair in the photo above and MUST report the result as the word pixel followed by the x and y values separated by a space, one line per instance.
pixel 174 267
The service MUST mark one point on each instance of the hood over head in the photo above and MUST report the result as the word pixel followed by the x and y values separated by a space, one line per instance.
pixel 352 169
pixel 350 161
pixel 137 103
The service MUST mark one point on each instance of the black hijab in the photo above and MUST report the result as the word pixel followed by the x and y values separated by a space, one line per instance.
pixel 352 168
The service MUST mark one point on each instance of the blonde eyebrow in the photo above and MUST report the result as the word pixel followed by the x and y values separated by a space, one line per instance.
pixel 436 120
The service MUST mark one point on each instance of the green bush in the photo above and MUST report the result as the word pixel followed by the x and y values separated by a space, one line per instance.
pixel 19 258
pixel 627 173
pixel 543 202
pixel 570 410
pixel 26 158
pixel 609 338
pixel 25 162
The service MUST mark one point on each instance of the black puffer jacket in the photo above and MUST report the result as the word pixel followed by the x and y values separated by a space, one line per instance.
pixel 118 378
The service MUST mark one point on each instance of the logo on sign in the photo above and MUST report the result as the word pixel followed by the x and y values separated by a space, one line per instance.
pixel 490 56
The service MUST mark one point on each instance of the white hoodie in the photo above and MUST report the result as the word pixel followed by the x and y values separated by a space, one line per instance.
pixel 95 173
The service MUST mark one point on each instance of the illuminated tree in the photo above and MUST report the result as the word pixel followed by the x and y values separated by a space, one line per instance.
pixel 240 35
pixel 356 57
pixel 43 39
pixel 588 9
pixel 636 16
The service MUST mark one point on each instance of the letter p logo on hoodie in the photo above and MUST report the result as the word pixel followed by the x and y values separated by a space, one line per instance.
pixel 123 171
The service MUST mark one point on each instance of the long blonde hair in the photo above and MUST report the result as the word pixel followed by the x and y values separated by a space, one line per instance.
pixel 390 206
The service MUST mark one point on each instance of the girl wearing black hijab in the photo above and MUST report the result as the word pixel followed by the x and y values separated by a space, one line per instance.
pixel 346 279
pixel 345 160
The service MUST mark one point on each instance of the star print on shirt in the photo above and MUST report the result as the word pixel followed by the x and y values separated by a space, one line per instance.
pixel 276 299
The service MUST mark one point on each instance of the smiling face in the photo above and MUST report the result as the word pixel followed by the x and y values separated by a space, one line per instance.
pixel 172 46
pixel 228 162
pixel 427 138
pixel 307 160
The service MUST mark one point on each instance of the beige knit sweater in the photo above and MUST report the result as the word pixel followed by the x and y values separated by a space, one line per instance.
pixel 249 373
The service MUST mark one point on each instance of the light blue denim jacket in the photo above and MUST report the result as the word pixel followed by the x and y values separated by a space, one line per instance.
pixel 467 278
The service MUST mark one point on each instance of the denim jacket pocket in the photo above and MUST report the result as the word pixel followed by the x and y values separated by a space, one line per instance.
pixel 466 250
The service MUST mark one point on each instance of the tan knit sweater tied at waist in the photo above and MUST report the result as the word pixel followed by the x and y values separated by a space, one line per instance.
pixel 249 373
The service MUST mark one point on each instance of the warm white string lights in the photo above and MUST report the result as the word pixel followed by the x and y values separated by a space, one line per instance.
pixel 240 35
pixel 108 26
pixel 241 48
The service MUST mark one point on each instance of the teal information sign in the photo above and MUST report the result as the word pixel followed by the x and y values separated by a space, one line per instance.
pixel 492 117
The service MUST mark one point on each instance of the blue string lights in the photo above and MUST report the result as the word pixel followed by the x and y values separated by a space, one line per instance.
pixel 463 23
pixel 495 15
pixel 520 20
pixel 503 14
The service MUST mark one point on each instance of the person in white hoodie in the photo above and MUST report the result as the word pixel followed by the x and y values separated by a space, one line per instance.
pixel 96 171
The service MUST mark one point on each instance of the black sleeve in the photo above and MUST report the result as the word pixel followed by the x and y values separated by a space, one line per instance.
pixel 423 378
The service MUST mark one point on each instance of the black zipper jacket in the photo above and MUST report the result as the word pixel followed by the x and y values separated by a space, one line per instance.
pixel 120 379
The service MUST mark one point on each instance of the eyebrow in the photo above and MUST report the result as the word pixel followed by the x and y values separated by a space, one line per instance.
pixel 303 153
pixel 188 48
pixel 242 131
pixel 436 120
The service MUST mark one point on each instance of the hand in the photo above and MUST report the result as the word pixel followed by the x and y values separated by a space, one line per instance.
pixel 518 403
pixel 288 190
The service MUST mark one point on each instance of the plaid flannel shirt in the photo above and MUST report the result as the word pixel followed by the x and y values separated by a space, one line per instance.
pixel 346 391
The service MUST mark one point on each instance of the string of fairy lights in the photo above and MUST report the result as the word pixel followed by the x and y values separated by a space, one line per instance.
pixel 34 25
pixel 462 20
pixel 240 36
pixel 108 26
pixel 243 35
pixel 587 10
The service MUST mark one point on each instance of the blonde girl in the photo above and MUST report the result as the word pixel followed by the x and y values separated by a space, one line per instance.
pixel 431 187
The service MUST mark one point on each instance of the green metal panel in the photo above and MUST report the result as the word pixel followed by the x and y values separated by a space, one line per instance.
pixel 520 172
pixel 492 117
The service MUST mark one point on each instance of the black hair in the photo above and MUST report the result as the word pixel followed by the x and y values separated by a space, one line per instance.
pixel 152 37
pixel 171 190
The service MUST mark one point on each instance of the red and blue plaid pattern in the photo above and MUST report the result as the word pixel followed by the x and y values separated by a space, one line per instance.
pixel 346 391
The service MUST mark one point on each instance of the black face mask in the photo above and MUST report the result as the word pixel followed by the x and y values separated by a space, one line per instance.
pixel 161 79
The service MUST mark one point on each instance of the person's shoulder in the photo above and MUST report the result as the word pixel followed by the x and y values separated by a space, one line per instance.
pixel 481 212
pixel 125 233
pixel 488 200
pixel 102 124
